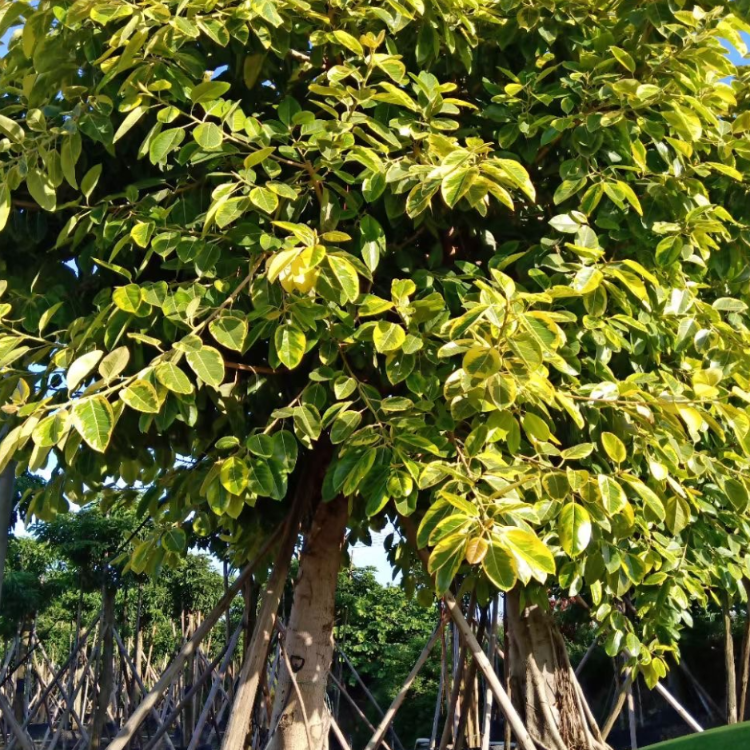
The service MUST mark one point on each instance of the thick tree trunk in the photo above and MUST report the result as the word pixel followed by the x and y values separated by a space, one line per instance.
pixel 545 691
pixel 106 671
pixel 745 667
pixel 309 635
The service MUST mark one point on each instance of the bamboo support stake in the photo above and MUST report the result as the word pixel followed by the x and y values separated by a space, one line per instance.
pixel 620 699
pixel 369 695
pixel 692 723
pixel 167 720
pixel 214 688
pixel 338 734
pixel 19 732
pixel 483 663
pixel 357 710
pixel 131 667
pixel 487 717
pixel 385 722
pixel 441 690
pixel 126 734
pixel 631 720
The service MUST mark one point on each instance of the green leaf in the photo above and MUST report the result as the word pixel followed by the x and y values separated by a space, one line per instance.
pixel 456 184
pixel 737 494
pixel 51 429
pixel 623 58
pixel 11 128
pixel 446 559
pixel 173 378
pixel 141 396
pixel 614 447
pixel 481 362
pixel 229 331
pixel 347 40
pixel 264 199
pixel 174 540
pixel 677 513
pixel 94 420
pixel 574 524
pixel 41 189
pixel 499 566
pixel 114 363
pixel 5 205
pixel 90 180
pixel 307 421
pixel 162 144
pixel 612 494
pixel 129 122
pixel 388 337
pixel 234 475
pixel 290 345
pixel 261 479
pixel 208 364
pixel 285 449
pixel 128 298
pixel 344 425
pixel 208 91
pixel 533 559
pixel 373 241
pixel 260 445
pixel 346 274
pixel 79 369
pixel 209 136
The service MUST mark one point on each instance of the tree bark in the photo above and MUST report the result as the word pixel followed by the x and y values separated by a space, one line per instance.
pixel 106 671
pixel 544 689
pixel 256 654
pixel 729 662
pixel 745 667
pixel 309 635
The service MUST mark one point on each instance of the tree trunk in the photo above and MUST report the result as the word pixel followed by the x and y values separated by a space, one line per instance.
pixel 745 667
pixel 309 635
pixel 729 662
pixel 106 671
pixel 545 691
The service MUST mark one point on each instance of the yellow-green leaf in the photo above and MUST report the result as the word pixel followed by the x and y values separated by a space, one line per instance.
pixel 94 419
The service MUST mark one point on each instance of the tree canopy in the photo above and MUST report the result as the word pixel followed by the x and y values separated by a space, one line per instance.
pixel 486 260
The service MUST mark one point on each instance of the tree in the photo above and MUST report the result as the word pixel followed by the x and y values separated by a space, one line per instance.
pixel 480 264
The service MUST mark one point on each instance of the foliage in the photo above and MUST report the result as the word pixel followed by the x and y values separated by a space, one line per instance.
pixel 494 252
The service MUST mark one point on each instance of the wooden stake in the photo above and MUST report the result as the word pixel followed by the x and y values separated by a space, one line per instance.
pixel 370 696
pixel 256 655
pixel 376 739
pixel 487 717
pixel 729 661
pixel 631 720
pixel 357 709
pixel 126 734
pixel 214 688
pixel 692 723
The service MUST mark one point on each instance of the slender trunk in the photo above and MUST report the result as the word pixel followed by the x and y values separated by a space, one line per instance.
pixel 545 691
pixel 138 653
pixel 256 654
pixel 309 635
pixel 106 671
pixel 729 661
pixel 745 668
pixel 19 698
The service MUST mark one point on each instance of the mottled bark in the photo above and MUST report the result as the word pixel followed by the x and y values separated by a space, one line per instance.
pixel 544 687
pixel 309 635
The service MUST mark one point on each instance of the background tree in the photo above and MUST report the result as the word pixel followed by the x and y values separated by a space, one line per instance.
pixel 483 264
